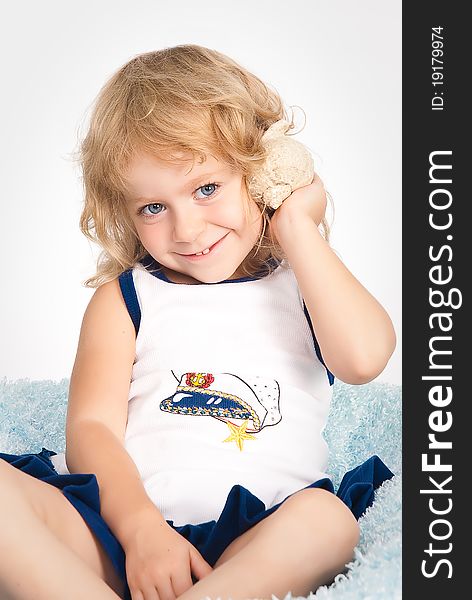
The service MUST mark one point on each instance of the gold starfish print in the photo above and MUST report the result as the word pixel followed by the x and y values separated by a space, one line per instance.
pixel 238 434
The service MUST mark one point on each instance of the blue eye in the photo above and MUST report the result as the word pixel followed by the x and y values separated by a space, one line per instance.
pixel 210 188
pixel 154 209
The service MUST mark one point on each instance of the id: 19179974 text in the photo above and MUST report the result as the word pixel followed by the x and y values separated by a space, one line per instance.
pixel 437 66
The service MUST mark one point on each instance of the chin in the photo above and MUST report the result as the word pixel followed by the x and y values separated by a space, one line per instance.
pixel 216 277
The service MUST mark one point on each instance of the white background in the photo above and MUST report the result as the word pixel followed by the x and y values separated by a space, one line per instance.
pixel 339 60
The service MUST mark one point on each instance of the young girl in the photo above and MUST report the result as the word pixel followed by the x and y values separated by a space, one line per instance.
pixel 194 462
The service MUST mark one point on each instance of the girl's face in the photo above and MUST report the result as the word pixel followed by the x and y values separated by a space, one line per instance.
pixel 193 222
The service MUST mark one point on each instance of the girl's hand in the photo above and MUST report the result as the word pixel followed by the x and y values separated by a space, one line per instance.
pixel 306 203
pixel 160 562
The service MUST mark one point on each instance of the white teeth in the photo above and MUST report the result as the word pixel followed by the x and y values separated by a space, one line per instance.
pixel 203 252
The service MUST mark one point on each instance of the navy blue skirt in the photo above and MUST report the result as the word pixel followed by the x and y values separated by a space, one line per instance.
pixel 242 509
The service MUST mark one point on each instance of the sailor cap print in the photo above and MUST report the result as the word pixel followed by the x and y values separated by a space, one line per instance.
pixel 227 397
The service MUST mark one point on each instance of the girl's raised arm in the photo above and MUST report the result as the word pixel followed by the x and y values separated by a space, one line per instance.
pixel 355 333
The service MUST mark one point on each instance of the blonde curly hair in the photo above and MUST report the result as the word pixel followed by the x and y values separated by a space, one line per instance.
pixel 186 98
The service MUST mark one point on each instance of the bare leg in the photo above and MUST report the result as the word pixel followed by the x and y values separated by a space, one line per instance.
pixel 35 565
pixel 304 544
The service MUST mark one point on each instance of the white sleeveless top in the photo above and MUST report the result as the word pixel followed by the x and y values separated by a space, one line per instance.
pixel 227 388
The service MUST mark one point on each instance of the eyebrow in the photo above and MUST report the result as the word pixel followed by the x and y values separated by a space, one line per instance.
pixel 189 184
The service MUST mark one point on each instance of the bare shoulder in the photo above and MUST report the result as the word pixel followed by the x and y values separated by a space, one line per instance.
pixel 101 375
pixel 106 307
pixel 106 324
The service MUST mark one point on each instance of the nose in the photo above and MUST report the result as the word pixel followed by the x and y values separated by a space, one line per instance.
pixel 188 226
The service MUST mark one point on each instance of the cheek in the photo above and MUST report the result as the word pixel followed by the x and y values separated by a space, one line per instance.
pixel 242 215
pixel 227 214
pixel 149 236
pixel 253 220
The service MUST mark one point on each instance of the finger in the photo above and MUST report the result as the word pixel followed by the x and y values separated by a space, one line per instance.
pixel 147 592
pixel 136 594
pixel 198 564
pixel 317 179
pixel 182 580
pixel 164 590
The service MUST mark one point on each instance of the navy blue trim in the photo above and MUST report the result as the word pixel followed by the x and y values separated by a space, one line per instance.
pixel 317 346
pixel 154 268
pixel 129 296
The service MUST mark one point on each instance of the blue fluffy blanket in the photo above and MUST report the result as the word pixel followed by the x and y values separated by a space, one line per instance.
pixel 364 420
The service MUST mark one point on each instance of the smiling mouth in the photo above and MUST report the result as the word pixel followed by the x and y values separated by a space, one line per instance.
pixel 205 251
pixel 199 253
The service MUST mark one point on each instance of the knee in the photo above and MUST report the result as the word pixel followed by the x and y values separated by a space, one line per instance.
pixel 8 476
pixel 346 534
pixel 325 514
pixel 11 494
pixel 20 491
